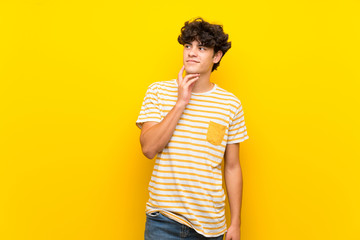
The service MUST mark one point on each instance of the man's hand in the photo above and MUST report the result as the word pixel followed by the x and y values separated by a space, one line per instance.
pixel 185 86
pixel 233 233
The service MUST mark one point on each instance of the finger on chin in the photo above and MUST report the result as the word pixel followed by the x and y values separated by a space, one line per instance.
pixel 180 75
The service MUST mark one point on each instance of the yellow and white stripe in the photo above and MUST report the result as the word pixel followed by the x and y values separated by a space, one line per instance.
pixel 186 183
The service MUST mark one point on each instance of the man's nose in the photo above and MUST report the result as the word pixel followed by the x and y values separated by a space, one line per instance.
pixel 192 52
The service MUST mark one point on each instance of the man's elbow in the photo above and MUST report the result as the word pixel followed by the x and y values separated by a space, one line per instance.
pixel 150 154
pixel 233 167
pixel 148 148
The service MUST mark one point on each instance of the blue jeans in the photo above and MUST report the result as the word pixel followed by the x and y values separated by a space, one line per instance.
pixel 160 227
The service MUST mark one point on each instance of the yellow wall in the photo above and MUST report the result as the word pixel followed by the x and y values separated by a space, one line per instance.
pixel 73 75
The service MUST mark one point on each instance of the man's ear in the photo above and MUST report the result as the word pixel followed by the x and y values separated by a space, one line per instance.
pixel 217 56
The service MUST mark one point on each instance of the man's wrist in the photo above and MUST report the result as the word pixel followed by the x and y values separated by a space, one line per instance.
pixel 236 222
pixel 180 105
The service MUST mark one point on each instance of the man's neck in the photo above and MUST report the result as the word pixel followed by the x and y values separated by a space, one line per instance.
pixel 203 84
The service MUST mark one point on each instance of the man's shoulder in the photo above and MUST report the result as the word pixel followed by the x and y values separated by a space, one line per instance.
pixel 165 83
pixel 231 97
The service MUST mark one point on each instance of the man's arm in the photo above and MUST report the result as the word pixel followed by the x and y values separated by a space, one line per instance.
pixel 155 136
pixel 234 183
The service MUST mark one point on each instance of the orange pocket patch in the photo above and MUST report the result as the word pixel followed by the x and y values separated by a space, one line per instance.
pixel 215 133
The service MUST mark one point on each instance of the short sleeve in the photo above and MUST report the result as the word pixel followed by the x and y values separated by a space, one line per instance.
pixel 150 109
pixel 237 129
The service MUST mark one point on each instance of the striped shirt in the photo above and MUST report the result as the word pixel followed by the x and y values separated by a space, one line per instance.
pixel 186 182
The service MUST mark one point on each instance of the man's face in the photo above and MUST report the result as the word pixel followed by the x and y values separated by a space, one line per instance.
pixel 198 58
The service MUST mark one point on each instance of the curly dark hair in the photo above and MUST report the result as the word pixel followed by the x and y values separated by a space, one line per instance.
pixel 209 35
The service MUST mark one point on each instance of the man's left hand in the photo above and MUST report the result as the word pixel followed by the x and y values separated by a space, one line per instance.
pixel 233 233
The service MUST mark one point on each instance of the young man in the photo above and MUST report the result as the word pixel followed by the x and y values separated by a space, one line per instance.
pixel 191 124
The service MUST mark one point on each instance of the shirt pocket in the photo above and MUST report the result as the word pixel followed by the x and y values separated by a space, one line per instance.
pixel 215 133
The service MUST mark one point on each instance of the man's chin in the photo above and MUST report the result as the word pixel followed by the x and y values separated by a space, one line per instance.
pixel 191 70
